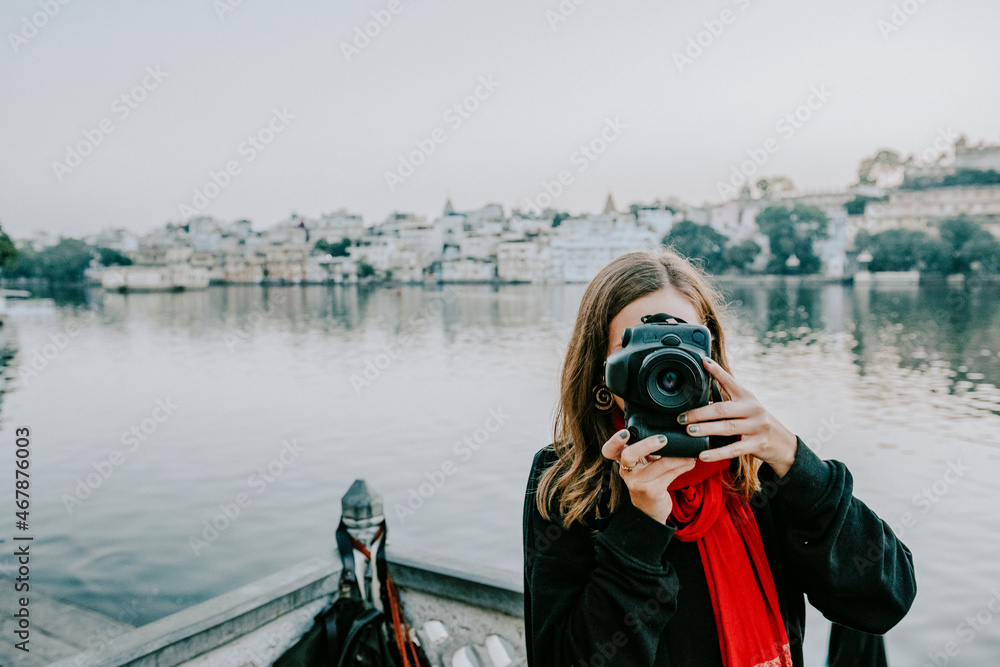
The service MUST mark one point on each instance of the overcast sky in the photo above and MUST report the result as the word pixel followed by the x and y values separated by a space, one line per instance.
pixel 201 76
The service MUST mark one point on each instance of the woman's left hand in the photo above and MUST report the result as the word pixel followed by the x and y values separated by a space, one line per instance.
pixel 761 434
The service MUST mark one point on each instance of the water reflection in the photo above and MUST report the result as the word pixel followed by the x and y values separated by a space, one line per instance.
pixel 383 383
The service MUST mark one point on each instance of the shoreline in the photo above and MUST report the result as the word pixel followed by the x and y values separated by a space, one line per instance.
pixel 764 279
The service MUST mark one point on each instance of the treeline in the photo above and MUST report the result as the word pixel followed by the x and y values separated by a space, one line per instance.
pixel 791 232
pixel 960 177
pixel 962 246
pixel 63 262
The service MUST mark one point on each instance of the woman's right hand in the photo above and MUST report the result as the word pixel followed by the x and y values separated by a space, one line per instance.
pixel 651 474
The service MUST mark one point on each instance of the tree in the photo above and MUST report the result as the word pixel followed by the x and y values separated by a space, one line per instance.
pixel 338 249
pixel 111 257
pixel 883 168
pixel 64 262
pixel 558 218
pixel 26 264
pixel 793 232
pixel 8 253
pixel 968 246
pixel 696 241
pixel 365 269
pixel 742 254
pixel 857 205
pixel 896 249
pixel 935 256
pixel 959 178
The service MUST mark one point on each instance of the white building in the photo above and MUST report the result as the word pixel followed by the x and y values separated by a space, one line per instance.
pixel 980 156
pixel 333 227
pixel 526 260
pixel 924 209
pixel 118 238
pixel 580 247
pixel 379 251
pixel 468 269
pixel 660 219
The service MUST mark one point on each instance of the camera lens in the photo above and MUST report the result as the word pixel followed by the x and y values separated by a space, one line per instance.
pixel 670 381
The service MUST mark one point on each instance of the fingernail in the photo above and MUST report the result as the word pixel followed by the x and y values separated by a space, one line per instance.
pixel 682 418
pixel 693 428
pixel 705 456
pixel 662 438
pixel 623 433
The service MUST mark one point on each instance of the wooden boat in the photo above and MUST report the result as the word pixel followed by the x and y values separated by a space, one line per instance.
pixel 464 614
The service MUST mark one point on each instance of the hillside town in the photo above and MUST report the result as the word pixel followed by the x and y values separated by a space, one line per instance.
pixel 491 244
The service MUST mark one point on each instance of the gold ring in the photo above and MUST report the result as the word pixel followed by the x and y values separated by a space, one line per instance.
pixel 626 468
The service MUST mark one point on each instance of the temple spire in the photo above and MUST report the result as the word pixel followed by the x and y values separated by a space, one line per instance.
pixel 609 206
pixel 448 208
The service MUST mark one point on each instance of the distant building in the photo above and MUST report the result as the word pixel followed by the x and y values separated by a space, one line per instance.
pixel 336 226
pixel 525 260
pixel 981 156
pixel 924 209
pixel 468 269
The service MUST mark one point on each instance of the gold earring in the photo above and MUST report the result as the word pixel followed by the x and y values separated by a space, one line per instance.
pixel 603 400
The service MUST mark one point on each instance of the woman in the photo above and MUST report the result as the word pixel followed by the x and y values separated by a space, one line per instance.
pixel 633 559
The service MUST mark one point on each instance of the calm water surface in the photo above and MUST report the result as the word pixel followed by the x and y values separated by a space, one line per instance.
pixel 278 398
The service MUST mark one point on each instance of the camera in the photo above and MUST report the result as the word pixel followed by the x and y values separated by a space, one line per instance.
pixel 659 373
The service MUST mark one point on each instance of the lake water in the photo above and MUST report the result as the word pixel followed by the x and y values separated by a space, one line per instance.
pixel 280 397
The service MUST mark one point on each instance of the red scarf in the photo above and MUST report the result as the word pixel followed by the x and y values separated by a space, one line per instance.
pixel 745 602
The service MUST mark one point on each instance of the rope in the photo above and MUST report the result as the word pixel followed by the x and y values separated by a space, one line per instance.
pixel 400 628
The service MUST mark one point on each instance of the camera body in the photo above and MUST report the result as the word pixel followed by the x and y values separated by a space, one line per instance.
pixel 659 373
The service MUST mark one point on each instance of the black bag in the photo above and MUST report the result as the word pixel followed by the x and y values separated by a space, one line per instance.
pixel 352 632
pixel 349 633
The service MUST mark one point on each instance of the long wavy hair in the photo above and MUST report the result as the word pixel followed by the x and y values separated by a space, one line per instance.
pixel 573 482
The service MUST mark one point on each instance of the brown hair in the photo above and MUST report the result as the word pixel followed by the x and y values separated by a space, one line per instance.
pixel 573 482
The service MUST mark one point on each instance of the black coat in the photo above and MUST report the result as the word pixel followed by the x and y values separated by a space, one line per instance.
pixel 634 596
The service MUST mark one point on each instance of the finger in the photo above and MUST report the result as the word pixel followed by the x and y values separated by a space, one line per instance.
pixel 736 426
pixel 635 453
pixel 746 445
pixel 718 410
pixel 725 379
pixel 665 465
pixel 612 449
